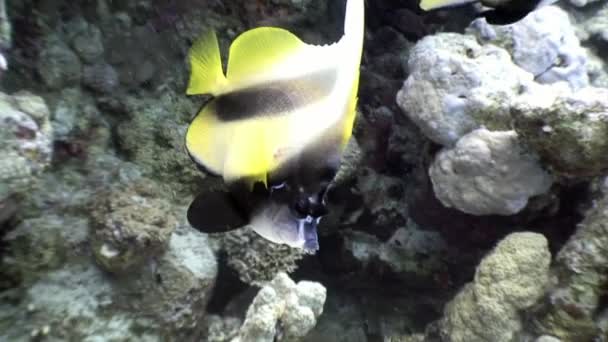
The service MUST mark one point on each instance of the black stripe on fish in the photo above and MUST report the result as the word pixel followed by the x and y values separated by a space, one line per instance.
pixel 274 98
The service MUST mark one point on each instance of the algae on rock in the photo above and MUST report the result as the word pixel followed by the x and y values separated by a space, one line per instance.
pixel 131 225
pixel 581 271
pixel 26 135
pixel 255 259
pixel 568 130
pixel 509 279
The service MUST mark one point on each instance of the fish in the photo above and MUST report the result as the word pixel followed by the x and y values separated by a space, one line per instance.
pixel 500 12
pixel 275 128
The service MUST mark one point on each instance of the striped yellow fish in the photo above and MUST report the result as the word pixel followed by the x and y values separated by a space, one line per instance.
pixel 275 129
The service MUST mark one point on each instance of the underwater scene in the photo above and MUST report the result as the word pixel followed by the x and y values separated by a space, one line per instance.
pixel 304 170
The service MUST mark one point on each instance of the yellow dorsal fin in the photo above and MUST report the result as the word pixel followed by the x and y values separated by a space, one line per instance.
pixel 207 74
pixel 258 49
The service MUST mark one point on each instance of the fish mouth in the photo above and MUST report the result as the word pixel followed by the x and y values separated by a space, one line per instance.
pixel 278 224
pixel 307 230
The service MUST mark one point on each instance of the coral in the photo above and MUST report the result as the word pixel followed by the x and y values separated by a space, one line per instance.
pixel 569 131
pixel 85 39
pixel 509 279
pixel 581 269
pixel 40 244
pixel 453 80
pixel 176 287
pixel 544 43
pixel 6 38
pixel 488 173
pixel 26 135
pixel 382 197
pixel 131 225
pixel 101 78
pixel 595 25
pixel 257 260
pixel 74 115
pixel 79 302
pixel 222 329
pixel 68 304
pixel 154 139
pixel 547 338
pixel 350 162
pixel 283 311
pixel 410 252
pixel 58 65
pixel 581 3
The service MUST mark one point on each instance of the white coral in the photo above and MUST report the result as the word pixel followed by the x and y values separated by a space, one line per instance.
pixel 283 310
pixel 453 80
pixel 487 173
pixel 544 43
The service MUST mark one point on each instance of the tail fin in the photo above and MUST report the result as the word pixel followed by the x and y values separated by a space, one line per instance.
pixel 207 74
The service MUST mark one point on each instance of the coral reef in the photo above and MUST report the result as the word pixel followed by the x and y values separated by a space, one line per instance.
pixel 511 278
pixel 283 311
pixel 505 124
pixel 26 135
pixel 569 131
pixel 544 43
pixel 488 173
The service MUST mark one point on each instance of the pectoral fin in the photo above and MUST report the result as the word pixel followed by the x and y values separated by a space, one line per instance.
pixel 216 212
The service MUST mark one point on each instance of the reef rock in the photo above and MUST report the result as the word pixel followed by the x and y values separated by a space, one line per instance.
pixel 174 288
pixel 58 65
pixel 74 115
pixel 569 131
pixel 509 279
pixel 544 43
pixel 283 311
pixel 86 39
pixel 456 85
pixel 153 138
pixel 410 253
pixel 595 24
pixel 101 78
pixel 581 268
pixel 131 225
pixel 75 300
pixel 487 173
pixel 26 136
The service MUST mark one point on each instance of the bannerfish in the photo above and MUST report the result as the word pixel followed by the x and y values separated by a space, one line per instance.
pixel 500 12
pixel 275 128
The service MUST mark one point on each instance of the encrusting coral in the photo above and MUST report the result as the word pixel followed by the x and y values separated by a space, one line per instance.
pixel 488 173
pixel 509 279
pixel 581 269
pixel 26 136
